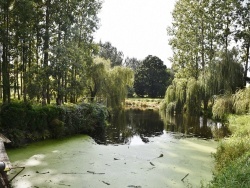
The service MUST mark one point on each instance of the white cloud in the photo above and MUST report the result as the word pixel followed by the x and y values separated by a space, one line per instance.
pixel 137 27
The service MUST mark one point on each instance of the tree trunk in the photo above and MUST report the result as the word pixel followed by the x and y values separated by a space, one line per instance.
pixel 5 57
pixel 246 64
pixel 45 92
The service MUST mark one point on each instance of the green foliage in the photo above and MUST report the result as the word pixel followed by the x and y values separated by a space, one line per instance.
pixel 109 52
pixel 117 82
pixel 201 36
pixel 132 63
pixel 151 78
pixel 242 101
pixel 223 105
pixel 96 75
pixel 22 122
pixel 170 94
pixel 232 156
pixel 180 91
pixel 57 128
pixel 183 95
pixel 193 102
pixel 236 174
pixel 51 43
pixel 171 108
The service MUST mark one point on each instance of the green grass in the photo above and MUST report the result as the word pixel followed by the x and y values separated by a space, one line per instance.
pixel 143 103
pixel 236 174
pixel 232 159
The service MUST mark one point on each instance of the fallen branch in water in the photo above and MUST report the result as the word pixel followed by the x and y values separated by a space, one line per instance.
pixel 151 168
pixel 185 177
pixel 91 172
pixel 71 173
pixel 42 172
pixel 151 163
pixel 161 155
pixel 106 183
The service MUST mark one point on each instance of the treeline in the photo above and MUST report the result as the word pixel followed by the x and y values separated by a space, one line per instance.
pixel 210 40
pixel 46 46
pixel 151 76
pixel 47 49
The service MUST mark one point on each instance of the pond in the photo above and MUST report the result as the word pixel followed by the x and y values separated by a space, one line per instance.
pixel 138 149
pixel 135 126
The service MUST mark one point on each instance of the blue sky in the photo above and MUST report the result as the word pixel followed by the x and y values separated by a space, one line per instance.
pixel 137 27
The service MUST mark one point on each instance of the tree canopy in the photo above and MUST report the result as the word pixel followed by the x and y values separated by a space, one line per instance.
pixel 46 47
pixel 207 59
pixel 48 54
pixel 107 51
pixel 151 78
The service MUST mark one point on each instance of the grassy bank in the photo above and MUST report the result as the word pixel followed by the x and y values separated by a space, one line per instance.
pixel 23 123
pixel 142 103
pixel 232 159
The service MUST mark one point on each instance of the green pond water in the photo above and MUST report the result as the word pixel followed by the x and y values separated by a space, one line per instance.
pixel 136 150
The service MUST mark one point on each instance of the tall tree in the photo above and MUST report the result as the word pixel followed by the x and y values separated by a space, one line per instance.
pixel 132 63
pixel 243 34
pixel 5 41
pixel 107 51
pixel 151 78
pixel 202 34
pixel 43 41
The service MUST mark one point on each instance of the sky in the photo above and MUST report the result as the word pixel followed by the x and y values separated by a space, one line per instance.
pixel 137 27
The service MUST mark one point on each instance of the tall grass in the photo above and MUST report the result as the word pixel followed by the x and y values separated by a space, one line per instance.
pixel 232 159
pixel 223 105
pixel 242 101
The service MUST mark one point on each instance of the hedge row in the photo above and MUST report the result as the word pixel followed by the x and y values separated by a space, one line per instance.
pixel 22 122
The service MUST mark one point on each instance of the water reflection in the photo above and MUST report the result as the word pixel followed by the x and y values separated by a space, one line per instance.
pixel 200 127
pixel 135 127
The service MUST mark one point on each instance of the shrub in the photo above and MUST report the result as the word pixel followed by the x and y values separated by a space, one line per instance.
pixel 232 156
pixel 223 106
pixel 57 128
pixel 242 101
pixel 236 174
pixel 22 123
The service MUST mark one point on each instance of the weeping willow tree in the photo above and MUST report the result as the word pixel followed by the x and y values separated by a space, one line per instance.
pixel 229 73
pixel 180 92
pixel 117 82
pixel 169 103
pixel 193 101
pixel 223 76
pixel 96 75
pixel 175 96
pixel 184 95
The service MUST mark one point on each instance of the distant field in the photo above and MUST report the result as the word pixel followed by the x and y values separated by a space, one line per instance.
pixel 148 103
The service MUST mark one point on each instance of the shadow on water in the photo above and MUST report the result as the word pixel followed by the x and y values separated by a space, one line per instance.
pixel 135 127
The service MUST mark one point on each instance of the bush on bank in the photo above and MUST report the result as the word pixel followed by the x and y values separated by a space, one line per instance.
pixel 22 122
pixel 232 159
